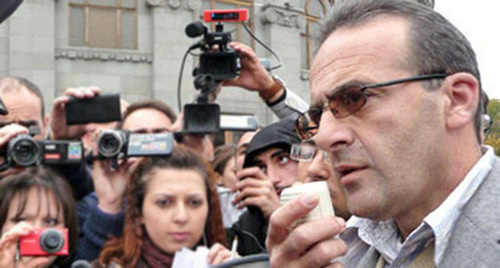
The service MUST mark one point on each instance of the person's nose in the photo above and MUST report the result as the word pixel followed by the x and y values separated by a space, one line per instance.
pixel 317 170
pixel 273 175
pixel 181 214
pixel 333 133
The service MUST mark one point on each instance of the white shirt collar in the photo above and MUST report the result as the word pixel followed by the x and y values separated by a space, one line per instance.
pixel 384 236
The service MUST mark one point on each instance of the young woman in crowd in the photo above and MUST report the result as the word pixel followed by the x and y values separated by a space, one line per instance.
pixel 171 204
pixel 34 199
pixel 224 166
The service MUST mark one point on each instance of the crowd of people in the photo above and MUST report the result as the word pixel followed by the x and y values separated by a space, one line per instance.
pixel 394 128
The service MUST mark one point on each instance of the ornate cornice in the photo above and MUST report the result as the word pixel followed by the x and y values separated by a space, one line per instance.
pixel 191 5
pixel 103 55
pixel 283 15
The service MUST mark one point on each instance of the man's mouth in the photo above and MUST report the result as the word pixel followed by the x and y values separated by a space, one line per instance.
pixel 345 169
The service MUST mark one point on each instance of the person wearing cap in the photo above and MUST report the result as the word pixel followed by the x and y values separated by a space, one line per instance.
pixel 267 170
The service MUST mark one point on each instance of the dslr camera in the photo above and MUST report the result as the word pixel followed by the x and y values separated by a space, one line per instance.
pixel 117 144
pixel 44 242
pixel 24 151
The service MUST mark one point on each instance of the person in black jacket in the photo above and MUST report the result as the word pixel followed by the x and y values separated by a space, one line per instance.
pixel 267 170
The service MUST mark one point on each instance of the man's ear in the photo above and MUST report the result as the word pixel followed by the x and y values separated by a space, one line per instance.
pixel 462 91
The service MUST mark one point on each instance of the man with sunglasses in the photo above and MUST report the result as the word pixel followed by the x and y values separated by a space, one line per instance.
pixel 396 101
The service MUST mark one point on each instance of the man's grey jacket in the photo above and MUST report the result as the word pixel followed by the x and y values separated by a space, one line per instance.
pixel 475 240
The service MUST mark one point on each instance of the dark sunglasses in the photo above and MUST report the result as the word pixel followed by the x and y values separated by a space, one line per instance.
pixel 346 102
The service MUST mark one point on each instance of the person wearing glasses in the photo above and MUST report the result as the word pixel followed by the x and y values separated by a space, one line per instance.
pixel 396 101
pixel 314 164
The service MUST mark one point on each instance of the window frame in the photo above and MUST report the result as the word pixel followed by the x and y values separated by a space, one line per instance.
pixel 312 19
pixel 86 6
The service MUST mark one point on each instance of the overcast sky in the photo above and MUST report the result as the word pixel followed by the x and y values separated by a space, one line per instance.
pixel 479 20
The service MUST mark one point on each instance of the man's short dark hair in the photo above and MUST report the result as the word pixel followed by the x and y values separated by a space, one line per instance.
pixel 6 84
pixel 436 46
pixel 148 104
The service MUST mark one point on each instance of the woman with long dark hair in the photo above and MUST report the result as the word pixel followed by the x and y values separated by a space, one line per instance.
pixel 32 200
pixel 171 204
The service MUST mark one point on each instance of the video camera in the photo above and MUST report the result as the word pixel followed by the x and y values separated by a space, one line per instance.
pixel 118 144
pixel 24 151
pixel 218 62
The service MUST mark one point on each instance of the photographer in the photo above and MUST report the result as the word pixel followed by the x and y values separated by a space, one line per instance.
pixel 34 199
pixel 25 105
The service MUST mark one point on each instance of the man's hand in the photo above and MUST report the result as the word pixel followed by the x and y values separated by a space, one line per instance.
pixel 253 76
pixel 256 190
pixel 311 244
pixel 10 131
pixel 58 128
pixel 110 185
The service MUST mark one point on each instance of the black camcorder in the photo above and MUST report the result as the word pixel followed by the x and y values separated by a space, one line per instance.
pixel 118 144
pixel 217 62
pixel 24 151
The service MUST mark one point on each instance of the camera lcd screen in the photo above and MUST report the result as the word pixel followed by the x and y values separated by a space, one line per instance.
pixel 225 16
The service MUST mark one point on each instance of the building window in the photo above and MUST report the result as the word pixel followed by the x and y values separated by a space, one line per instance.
pixel 314 11
pixel 103 23
pixel 238 32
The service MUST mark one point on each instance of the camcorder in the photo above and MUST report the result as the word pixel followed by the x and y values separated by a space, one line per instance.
pixel 118 144
pixel 45 242
pixel 24 151
pixel 217 62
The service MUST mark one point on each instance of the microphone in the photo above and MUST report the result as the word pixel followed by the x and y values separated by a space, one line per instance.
pixel 195 29
pixel 81 264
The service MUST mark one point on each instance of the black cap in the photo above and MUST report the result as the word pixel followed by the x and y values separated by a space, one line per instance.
pixel 278 135
pixel 8 7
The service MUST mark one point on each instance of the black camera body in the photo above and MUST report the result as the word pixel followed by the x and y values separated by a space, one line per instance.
pixel 117 144
pixel 217 59
pixel 221 65
pixel 24 151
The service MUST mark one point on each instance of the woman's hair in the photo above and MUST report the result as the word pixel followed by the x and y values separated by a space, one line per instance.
pixel 127 249
pixel 45 182
pixel 221 156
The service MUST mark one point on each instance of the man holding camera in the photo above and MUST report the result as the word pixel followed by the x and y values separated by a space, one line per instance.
pixel 24 102
pixel 396 101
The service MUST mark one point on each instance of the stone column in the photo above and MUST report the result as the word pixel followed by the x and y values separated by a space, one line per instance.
pixel 29 50
pixel 169 18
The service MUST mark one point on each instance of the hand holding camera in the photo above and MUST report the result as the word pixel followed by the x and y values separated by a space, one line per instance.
pixel 253 75
pixel 23 234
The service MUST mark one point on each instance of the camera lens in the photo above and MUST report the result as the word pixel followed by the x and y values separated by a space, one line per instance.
pixel 51 241
pixel 24 151
pixel 110 143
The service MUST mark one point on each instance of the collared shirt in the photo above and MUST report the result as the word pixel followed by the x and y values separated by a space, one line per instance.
pixel 436 227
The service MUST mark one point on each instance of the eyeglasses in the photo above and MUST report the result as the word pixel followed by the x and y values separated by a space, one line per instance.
pixel 306 152
pixel 346 102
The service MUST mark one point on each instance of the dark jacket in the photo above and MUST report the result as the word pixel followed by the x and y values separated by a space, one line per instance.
pixel 251 230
